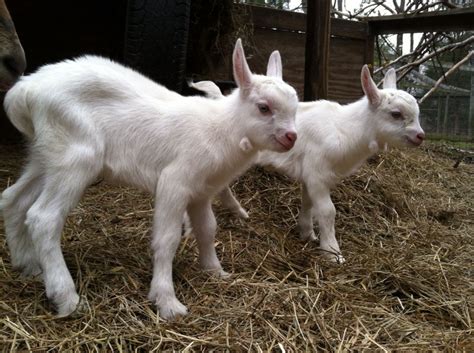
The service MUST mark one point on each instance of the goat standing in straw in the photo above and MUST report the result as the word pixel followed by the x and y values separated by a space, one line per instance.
pixel 334 141
pixel 92 117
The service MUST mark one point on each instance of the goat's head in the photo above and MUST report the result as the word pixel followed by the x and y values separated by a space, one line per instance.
pixel 268 104
pixel 12 56
pixel 396 112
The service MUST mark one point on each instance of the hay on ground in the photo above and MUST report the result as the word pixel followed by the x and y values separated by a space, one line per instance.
pixel 404 222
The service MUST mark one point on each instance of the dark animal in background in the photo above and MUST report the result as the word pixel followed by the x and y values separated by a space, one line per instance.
pixel 12 56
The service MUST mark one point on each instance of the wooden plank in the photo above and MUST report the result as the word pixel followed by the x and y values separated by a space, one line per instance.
pixel 295 21
pixel 347 56
pixel 369 48
pixel 318 29
pixel 470 119
pixel 441 21
pixel 438 116
pixel 291 46
pixel 349 29
pixel 452 20
pixel 272 18
pixel 446 116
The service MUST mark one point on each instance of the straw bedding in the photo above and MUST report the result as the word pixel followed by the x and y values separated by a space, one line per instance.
pixel 404 222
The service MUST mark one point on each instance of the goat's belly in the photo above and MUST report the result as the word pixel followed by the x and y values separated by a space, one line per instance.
pixel 291 170
pixel 129 174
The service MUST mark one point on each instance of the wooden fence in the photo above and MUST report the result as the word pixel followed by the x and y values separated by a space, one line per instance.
pixel 351 46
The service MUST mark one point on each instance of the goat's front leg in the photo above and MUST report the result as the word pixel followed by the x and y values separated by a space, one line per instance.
pixel 230 202
pixel 204 227
pixel 325 213
pixel 305 218
pixel 170 205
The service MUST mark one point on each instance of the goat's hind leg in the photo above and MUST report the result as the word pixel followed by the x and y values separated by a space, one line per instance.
pixel 15 202
pixel 63 187
pixel 325 213
pixel 305 218
pixel 230 202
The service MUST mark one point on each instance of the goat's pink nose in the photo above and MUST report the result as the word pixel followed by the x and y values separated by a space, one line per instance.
pixel 421 135
pixel 291 136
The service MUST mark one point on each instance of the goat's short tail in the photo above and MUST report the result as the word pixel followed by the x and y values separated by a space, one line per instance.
pixel 16 107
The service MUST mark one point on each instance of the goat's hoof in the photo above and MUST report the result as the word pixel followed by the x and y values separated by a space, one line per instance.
pixel 172 309
pixel 68 307
pixel 81 309
pixel 339 259
pixel 223 274
pixel 334 257
pixel 242 213
pixel 218 272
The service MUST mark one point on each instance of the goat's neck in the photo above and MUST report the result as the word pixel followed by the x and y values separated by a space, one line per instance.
pixel 234 131
pixel 230 136
pixel 357 136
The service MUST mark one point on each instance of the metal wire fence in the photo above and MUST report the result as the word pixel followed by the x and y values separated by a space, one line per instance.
pixel 448 117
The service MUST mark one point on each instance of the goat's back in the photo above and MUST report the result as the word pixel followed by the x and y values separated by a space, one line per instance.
pixel 135 126
pixel 96 91
pixel 324 135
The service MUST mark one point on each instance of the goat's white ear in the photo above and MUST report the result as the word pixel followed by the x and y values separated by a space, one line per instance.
pixel 390 79
pixel 208 87
pixel 242 74
pixel 369 86
pixel 274 67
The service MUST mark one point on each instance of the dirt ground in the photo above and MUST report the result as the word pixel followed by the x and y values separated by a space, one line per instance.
pixel 405 223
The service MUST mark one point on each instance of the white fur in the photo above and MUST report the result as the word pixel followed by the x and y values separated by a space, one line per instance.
pixel 333 142
pixel 92 117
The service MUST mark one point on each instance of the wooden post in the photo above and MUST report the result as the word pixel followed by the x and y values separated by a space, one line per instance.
pixel 438 117
pixel 446 116
pixel 370 48
pixel 470 119
pixel 318 32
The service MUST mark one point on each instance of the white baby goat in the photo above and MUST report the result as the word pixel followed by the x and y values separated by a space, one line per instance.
pixel 91 117
pixel 334 141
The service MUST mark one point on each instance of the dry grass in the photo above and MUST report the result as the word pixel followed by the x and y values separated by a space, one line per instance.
pixel 405 224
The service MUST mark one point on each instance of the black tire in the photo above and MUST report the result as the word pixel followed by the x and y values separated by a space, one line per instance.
pixel 156 39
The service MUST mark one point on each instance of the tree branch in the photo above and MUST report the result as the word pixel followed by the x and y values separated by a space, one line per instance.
pixel 436 52
pixel 356 14
pixel 428 6
pixel 448 3
pixel 442 78
pixel 419 50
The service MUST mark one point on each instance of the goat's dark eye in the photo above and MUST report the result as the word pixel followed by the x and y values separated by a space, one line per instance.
pixel 397 115
pixel 263 108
